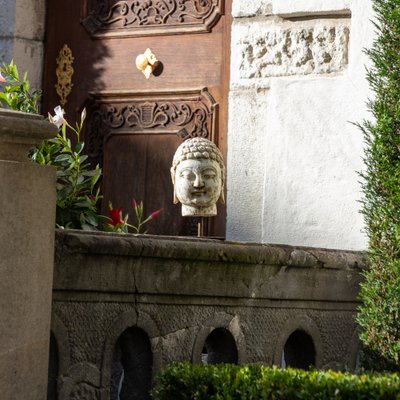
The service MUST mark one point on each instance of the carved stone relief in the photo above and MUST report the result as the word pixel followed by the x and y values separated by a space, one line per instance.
pixel 186 114
pixel 150 17
pixel 83 391
pixel 268 50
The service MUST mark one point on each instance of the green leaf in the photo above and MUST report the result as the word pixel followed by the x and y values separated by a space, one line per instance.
pixel 83 204
pixel 4 98
pixel 79 147
pixel 63 157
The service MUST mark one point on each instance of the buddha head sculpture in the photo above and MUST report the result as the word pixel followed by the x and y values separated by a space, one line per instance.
pixel 198 176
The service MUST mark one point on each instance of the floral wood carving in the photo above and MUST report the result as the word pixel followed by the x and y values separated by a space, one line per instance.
pixel 64 72
pixel 150 17
pixel 186 114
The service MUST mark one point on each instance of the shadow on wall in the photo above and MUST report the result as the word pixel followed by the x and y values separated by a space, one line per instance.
pixel 53 369
pixel 131 371
pixel 299 351
pixel 219 347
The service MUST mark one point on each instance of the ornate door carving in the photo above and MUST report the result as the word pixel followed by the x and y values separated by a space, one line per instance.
pixel 134 125
pixel 142 18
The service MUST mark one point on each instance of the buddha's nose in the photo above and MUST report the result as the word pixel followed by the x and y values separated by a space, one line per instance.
pixel 198 182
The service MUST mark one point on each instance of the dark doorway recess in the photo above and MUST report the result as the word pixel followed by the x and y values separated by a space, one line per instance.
pixel 131 373
pixel 299 351
pixel 53 369
pixel 220 347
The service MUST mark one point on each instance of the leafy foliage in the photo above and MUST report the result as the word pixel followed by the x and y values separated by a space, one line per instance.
pixel 379 315
pixel 185 381
pixel 118 223
pixel 16 94
pixel 76 181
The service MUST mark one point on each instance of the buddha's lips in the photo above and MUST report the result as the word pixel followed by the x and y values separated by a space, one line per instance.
pixel 200 192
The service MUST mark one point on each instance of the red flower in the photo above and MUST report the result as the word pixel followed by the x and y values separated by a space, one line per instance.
pixel 116 216
pixel 155 214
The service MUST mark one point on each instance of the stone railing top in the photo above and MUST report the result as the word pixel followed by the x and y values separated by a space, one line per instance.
pixel 202 249
pixel 20 131
pixel 158 265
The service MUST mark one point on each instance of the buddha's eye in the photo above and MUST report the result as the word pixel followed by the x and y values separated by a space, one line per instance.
pixel 209 174
pixel 187 174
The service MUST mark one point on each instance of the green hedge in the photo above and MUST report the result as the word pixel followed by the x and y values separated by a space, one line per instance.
pixel 185 381
pixel 379 316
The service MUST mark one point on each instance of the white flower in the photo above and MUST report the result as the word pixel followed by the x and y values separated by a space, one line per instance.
pixel 58 119
pixel 2 79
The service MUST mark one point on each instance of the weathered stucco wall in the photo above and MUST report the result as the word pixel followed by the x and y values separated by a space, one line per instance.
pixel 21 36
pixel 179 291
pixel 297 84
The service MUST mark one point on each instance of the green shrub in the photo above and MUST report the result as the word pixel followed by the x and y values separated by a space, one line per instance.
pixel 16 94
pixel 77 196
pixel 379 315
pixel 185 381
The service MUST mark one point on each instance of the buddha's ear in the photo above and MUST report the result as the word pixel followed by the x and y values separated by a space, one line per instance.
pixel 175 199
pixel 222 196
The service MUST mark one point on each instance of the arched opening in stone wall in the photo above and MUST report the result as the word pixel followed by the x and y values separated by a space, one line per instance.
pixel 219 347
pixel 54 362
pixel 299 351
pixel 131 371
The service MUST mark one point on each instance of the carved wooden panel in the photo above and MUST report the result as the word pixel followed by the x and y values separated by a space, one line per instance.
pixel 134 136
pixel 150 17
pixel 186 114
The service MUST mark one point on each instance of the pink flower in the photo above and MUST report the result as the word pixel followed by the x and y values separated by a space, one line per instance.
pixel 58 119
pixel 2 79
pixel 155 214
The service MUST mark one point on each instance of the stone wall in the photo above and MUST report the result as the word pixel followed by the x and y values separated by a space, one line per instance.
pixel 297 84
pixel 192 299
pixel 27 215
pixel 22 24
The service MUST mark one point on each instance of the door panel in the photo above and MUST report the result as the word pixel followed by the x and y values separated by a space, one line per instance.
pixel 135 125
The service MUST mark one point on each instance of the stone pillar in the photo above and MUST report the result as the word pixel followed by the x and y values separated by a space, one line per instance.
pixel 21 36
pixel 27 215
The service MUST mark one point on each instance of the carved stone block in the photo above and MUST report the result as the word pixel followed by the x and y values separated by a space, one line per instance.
pixel 269 49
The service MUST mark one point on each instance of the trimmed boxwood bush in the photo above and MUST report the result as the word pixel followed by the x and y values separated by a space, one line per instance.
pixel 185 381
pixel 379 315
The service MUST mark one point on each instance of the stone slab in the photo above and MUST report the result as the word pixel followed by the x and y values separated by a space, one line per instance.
pixel 162 265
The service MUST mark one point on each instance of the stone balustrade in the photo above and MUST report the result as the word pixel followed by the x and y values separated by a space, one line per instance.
pixel 135 303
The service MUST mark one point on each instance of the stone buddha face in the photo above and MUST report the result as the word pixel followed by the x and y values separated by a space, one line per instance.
pixel 198 177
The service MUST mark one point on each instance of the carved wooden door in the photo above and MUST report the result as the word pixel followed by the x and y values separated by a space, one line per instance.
pixel 135 124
